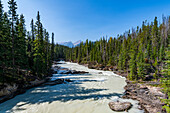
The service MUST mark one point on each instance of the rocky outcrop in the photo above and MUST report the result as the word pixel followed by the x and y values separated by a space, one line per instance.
pixel 100 73
pixel 73 72
pixel 8 89
pixel 120 106
pixel 148 96
pixel 57 81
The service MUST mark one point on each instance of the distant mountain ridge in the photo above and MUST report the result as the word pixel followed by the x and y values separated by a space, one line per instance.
pixel 70 44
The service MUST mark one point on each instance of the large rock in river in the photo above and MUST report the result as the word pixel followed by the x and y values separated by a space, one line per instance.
pixel 120 106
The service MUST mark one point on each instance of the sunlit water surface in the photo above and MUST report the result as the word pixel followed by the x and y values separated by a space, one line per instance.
pixel 89 93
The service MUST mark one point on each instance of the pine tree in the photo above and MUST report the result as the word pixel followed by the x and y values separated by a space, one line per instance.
pixel 79 54
pixel 5 46
pixel 120 63
pixel 155 39
pixel 13 19
pixel 165 82
pixel 149 50
pixel 1 14
pixel 29 50
pixel 1 44
pixel 47 48
pixel 140 63
pixel 38 49
pixel 133 66
pixel 86 49
pixel 52 48
pixel 20 45
pixel 32 44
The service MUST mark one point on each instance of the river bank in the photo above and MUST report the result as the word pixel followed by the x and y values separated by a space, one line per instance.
pixel 9 91
pixel 88 92
pixel 149 97
pixel 67 74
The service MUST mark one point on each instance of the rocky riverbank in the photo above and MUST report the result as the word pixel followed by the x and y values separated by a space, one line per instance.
pixel 9 91
pixel 149 97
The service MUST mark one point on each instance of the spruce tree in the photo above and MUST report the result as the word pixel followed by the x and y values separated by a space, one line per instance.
pixel 165 82
pixel 20 47
pixel 47 51
pixel 32 44
pixel 52 48
pixel 13 18
pixel 132 65
pixel 1 44
pixel 140 62
pixel 38 53
pixel 155 39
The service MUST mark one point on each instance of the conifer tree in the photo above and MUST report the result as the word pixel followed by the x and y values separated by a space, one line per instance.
pixel 1 43
pixel 165 82
pixel 38 49
pixel 47 50
pixel 133 66
pixel 29 50
pixel 20 45
pixel 155 38
pixel 32 44
pixel 140 63
pixel 13 19
pixel 52 48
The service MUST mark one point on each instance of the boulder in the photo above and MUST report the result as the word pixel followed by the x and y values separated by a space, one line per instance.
pixel 78 72
pixel 100 73
pixel 68 80
pixel 55 82
pixel 90 66
pixel 120 106
pixel 74 72
pixel 58 81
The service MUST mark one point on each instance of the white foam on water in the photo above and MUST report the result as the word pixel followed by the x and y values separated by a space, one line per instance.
pixel 89 93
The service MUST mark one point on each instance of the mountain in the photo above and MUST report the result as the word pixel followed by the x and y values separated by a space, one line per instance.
pixel 70 44
pixel 77 43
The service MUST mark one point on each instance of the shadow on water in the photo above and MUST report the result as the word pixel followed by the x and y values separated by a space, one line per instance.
pixel 62 92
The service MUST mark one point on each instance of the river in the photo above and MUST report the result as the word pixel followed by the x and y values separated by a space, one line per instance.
pixel 89 93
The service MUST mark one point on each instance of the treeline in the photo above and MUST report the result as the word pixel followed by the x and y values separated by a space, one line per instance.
pixel 140 53
pixel 60 52
pixel 23 53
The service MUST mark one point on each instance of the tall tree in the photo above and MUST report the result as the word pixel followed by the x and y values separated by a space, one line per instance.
pixel 32 45
pixel 166 80
pixel 52 48
pixel 13 18
pixel 155 38
pixel 20 43
pixel 38 49
pixel 1 42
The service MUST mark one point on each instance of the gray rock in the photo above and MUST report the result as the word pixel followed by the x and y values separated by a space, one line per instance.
pixel 120 106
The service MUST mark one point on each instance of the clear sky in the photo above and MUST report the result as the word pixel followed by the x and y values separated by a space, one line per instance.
pixel 73 20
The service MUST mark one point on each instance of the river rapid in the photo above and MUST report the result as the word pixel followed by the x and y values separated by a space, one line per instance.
pixel 88 93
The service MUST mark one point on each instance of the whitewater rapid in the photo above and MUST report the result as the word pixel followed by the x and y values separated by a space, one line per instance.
pixel 88 93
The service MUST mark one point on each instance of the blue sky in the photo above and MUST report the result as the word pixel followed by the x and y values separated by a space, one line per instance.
pixel 73 20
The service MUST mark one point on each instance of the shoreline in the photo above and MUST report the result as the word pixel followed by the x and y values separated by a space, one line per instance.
pixel 148 96
pixel 15 90
pixel 11 91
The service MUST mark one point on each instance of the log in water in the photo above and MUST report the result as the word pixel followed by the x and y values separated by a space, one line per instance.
pixel 88 93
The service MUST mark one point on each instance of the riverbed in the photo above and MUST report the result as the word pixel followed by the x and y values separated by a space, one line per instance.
pixel 88 93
